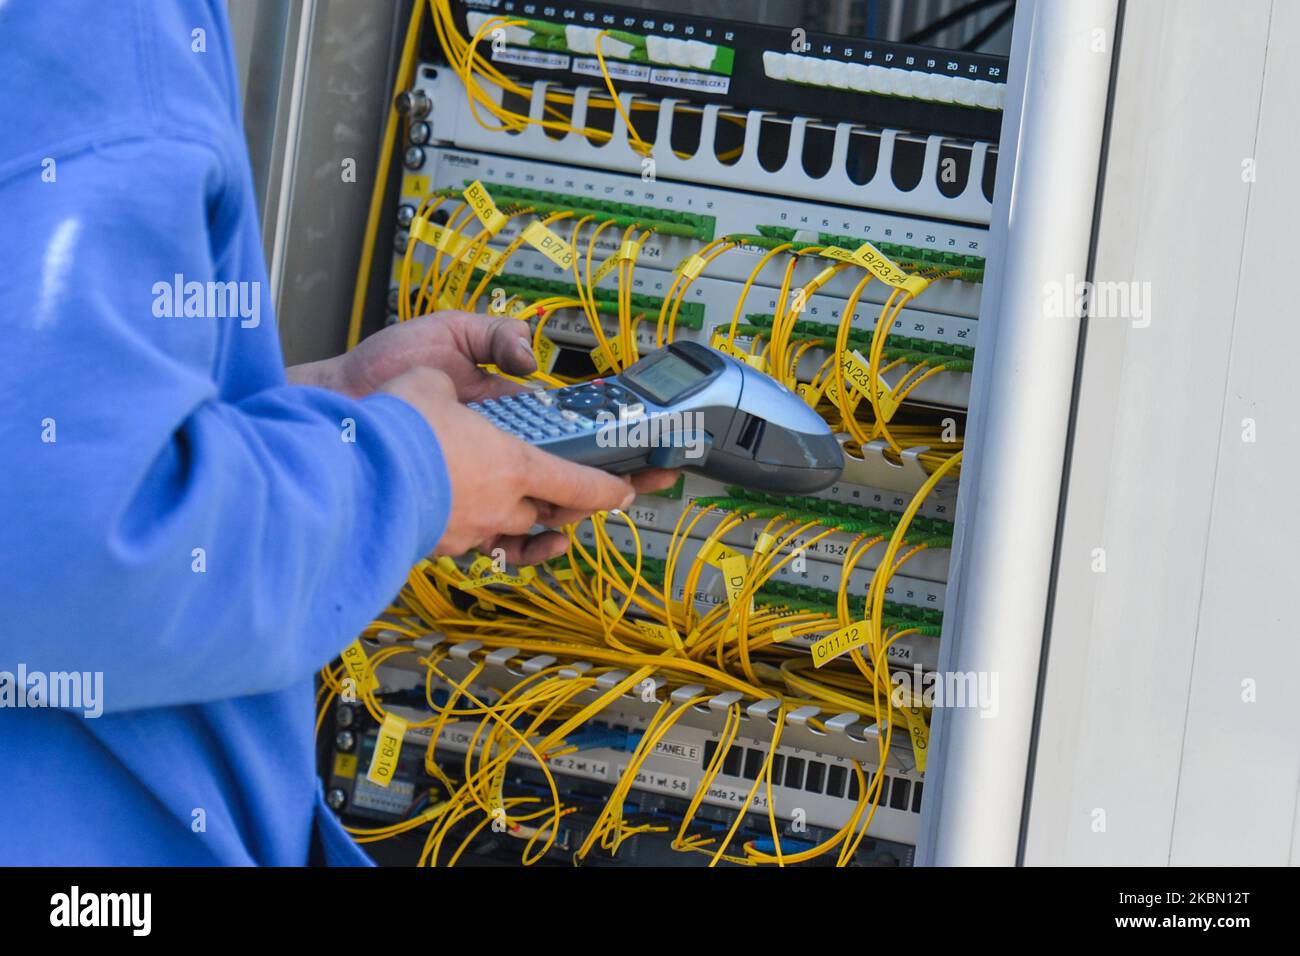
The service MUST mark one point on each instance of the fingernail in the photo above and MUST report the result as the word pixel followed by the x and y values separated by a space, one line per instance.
pixel 631 497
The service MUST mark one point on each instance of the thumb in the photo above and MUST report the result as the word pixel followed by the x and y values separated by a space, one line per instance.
pixel 499 340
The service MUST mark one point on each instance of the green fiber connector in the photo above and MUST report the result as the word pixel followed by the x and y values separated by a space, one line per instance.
pixel 916 257
pixel 724 61
pixel 911 258
pixel 818 508
pixel 803 597
pixel 668 222
pixel 635 39
pixel 690 315
pixel 673 492
pixel 799 597
pixel 551 36
pixel 954 357
pixel 545 28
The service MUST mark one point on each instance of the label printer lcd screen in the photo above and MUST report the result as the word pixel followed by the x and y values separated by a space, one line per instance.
pixel 666 379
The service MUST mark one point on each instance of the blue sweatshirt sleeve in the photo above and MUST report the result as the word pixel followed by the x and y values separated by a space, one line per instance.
pixel 176 515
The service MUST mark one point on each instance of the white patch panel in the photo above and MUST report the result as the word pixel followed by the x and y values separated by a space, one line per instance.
pixel 451 168
pixel 454 123
pixel 668 773
pixel 818 573
pixel 718 298
pixel 654 513
pixel 883 80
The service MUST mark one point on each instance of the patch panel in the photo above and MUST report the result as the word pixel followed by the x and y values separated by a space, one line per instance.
pixel 749 59
pixel 585 798
pixel 710 302
pixel 781 595
pixel 618 44
pixel 910 349
pixel 713 299
pixel 676 765
pixel 824 576
pixel 755 184
pixel 665 222
pixel 531 288
pixel 911 258
pixel 441 167
pixel 658 514
pixel 844 163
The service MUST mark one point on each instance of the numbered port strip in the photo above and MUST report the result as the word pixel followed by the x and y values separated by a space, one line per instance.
pixel 816 776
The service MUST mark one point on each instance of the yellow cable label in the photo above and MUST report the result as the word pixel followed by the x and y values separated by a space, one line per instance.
pixel 601 355
pixel 826 649
pixel 605 269
pixel 734 572
pixel 611 608
pixel 919 734
pixel 812 394
pixel 525 577
pixel 691 266
pixel 485 258
pixel 454 245
pixel 833 395
pixel 345 765
pixel 481 202
pixel 388 748
pixel 414 184
pixel 657 631
pixel 880 266
pixel 480 566
pixel 546 352
pixel 716 553
pixel 782 634
pixel 839 255
pixel 626 253
pixel 857 373
pixel 562 574
pixel 764 544
pixel 819 280
pixel 358 666
pixel 440 237
pixel 415 273
pixel 449 569
pixel 719 342
pixel 549 244
pixel 456 280
pixel 884 269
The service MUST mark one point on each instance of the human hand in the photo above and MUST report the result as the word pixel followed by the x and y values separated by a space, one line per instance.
pixel 501 486
pixel 452 342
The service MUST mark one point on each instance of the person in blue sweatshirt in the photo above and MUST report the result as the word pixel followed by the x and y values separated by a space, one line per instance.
pixel 184 519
